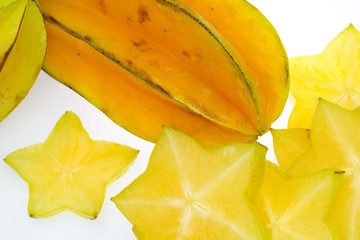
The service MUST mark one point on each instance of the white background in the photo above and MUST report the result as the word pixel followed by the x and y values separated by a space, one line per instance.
pixel 305 27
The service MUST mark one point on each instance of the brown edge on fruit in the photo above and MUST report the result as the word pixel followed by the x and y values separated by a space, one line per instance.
pixel 142 76
pixel 7 53
pixel 232 58
pixel 87 39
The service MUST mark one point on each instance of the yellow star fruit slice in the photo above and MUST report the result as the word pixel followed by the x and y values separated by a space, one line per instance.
pixel 299 207
pixel 289 144
pixel 334 143
pixel 333 75
pixel 357 110
pixel 22 51
pixel 69 171
pixel 191 192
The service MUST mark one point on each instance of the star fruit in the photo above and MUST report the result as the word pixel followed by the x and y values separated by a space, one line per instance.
pixel 22 51
pixel 333 75
pixel 289 144
pixel 299 207
pixel 334 143
pixel 69 171
pixel 191 192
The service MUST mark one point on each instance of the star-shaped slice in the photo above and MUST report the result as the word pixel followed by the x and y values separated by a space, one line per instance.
pixel 191 192
pixel 333 75
pixel 335 143
pixel 289 144
pixel 299 207
pixel 69 171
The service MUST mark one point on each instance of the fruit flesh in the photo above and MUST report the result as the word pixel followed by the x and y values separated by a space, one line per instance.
pixel 69 171
pixel 27 51
pixel 266 59
pixel 332 75
pixel 334 138
pixel 299 207
pixel 110 88
pixel 196 193
pixel 289 144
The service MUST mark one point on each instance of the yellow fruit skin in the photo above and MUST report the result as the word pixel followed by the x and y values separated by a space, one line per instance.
pixel 11 15
pixel 197 73
pixel 27 51
pixel 195 192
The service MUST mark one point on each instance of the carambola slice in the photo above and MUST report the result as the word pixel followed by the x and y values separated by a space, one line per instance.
pixel 191 192
pixel 69 171
pixel 334 143
pixel 299 207
pixel 332 75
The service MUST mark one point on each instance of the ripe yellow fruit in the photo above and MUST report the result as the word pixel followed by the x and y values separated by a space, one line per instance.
pixel 191 192
pixel 299 207
pixel 69 171
pixel 334 143
pixel 332 75
pixel 150 63
pixel 22 51
pixel 289 144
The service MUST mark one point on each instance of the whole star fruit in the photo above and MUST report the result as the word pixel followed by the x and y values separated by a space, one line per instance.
pixel 289 144
pixel 69 171
pixel 332 75
pixel 22 51
pixel 334 143
pixel 299 207
pixel 167 63
pixel 192 192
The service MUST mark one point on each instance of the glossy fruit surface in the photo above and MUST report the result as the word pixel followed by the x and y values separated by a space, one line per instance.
pixel 22 51
pixel 149 63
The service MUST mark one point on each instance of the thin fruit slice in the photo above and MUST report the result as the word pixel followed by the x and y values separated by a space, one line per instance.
pixel 334 143
pixel 167 49
pixel 289 144
pixel 195 192
pixel 241 23
pixel 357 110
pixel 24 45
pixel 333 75
pixel 299 207
pixel 69 171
